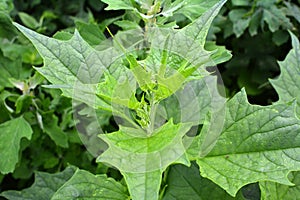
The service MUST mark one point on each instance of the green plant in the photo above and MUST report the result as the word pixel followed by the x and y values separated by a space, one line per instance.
pixel 153 82
pixel 257 33
pixel 35 121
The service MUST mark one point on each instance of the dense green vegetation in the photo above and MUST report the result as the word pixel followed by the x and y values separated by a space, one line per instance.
pixel 121 99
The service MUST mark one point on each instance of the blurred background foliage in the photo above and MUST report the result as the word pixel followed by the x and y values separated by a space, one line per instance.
pixel 255 31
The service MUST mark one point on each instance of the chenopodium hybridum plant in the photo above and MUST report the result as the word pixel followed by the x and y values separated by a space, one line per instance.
pixel 169 110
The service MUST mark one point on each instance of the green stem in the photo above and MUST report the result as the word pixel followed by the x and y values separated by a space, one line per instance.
pixel 152 116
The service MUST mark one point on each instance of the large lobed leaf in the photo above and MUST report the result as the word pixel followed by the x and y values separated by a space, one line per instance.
pixel 44 186
pixel 186 183
pixel 287 84
pixel 11 133
pixel 189 41
pixel 84 185
pixel 72 183
pixel 73 65
pixel 142 158
pixel 256 144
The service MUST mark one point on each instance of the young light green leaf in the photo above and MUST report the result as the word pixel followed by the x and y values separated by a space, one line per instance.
pixel 85 185
pixel 11 133
pixel 138 154
pixel 261 143
pixel 276 191
pixel 120 92
pixel 287 84
pixel 186 183
pixel 135 150
pixel 141 75
pixel 164 66
pixel 44 186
